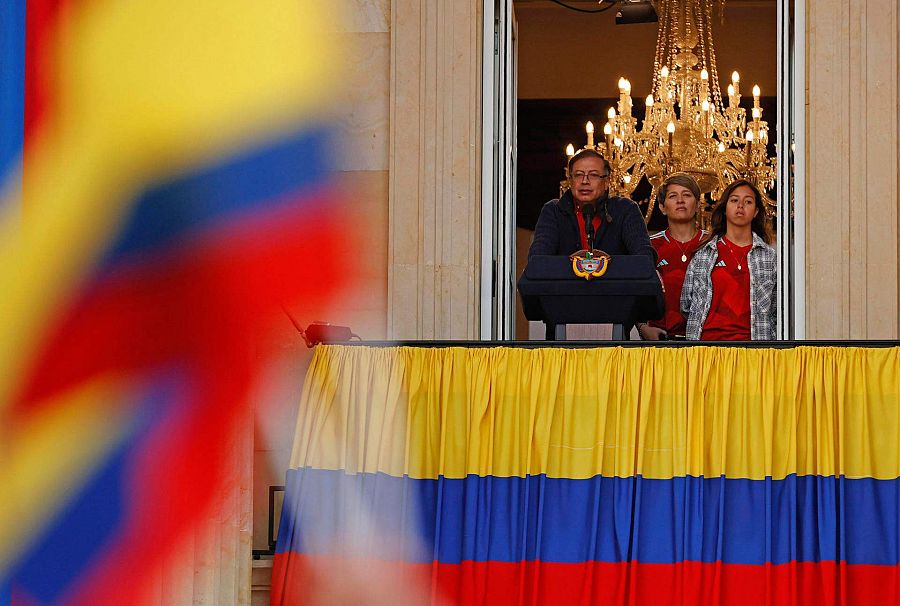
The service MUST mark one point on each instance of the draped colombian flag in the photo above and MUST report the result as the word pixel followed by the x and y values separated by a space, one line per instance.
pixel 173 196
pixel 609 476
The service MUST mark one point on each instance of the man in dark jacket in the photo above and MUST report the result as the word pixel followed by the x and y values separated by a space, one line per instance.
pixel 619 226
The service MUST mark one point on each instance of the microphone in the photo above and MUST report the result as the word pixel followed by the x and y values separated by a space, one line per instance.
pixel 587 211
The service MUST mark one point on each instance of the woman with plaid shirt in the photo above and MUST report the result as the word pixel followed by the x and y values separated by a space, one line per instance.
pixel 729 289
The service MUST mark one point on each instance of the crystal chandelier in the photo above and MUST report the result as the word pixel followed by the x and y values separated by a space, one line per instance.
pixel 686 128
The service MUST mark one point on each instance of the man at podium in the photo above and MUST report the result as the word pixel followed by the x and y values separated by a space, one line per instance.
pixel 614 224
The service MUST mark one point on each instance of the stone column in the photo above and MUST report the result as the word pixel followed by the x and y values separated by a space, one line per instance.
pixel 853 169
pixel 435 159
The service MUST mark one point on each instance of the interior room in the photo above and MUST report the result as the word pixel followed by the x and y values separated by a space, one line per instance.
pixel 569 65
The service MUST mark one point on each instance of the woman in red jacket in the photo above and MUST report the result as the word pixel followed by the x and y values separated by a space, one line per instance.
pixel 679 200
pixel 729 291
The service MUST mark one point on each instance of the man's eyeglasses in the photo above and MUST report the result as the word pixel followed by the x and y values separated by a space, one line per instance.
pixel 592 177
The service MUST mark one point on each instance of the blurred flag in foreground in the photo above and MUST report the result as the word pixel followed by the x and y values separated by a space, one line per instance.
pixel 174 195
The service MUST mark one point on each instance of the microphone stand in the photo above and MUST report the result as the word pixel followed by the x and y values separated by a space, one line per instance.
pixel 587 212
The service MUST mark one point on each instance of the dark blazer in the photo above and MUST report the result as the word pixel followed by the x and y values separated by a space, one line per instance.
pixel 556 232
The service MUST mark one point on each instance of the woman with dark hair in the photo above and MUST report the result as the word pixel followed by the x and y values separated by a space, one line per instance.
pixel 729 288
pixel 679 200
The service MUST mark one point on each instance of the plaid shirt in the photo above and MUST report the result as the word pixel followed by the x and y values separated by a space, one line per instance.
pixel 696 295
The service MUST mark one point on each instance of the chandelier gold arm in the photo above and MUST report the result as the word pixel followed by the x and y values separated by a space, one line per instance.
pixel 687 127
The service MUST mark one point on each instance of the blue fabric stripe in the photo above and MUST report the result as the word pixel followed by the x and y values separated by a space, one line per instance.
pixel 735 521
pixel 98 510
pixel 12 84
pixel 254 181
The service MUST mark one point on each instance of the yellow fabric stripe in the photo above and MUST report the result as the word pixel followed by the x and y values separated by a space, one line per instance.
pixel 576 413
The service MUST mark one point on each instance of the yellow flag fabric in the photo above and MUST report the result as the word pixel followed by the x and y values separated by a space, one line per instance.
pixel 644 476
pixel 578 413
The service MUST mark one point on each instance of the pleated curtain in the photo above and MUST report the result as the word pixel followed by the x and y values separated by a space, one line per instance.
pixel 595 476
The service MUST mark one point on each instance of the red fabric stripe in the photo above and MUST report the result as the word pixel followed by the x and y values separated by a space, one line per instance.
pixel 42 29
pixel 300 579
pixel 198 302
pixel 178 473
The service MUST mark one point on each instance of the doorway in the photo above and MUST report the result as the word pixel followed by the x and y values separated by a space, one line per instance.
pixel 556 65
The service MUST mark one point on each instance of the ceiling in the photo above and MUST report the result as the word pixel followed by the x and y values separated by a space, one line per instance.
pixel 566 54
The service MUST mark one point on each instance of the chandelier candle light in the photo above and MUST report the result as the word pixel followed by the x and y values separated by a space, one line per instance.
pixel 686 127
